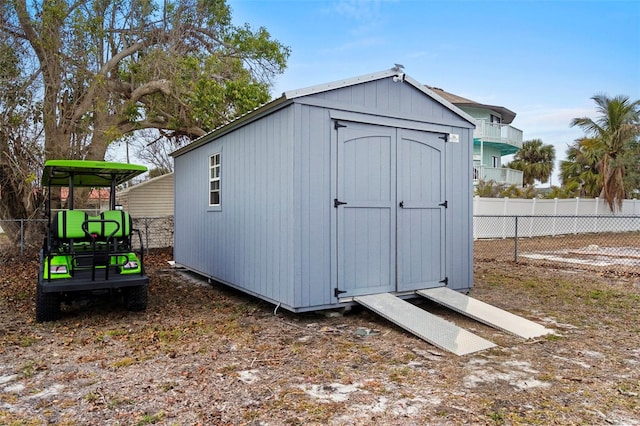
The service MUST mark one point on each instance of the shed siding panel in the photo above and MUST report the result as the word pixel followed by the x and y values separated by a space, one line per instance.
pixel 459 189
pixel 189 208
pixel 246 242
pixel 313 192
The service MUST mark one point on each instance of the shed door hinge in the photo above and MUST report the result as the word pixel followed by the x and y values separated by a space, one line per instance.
pixel 337 203
pixel 337 125
pixel 337 292
pixel 445 281
pixel 445 137
pixel 445 204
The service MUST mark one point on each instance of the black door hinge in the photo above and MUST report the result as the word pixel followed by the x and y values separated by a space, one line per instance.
pixel 445 281
pixel 337 125
pixel 445 204
pixel 445 137
pixel 337 203
pixel 337 292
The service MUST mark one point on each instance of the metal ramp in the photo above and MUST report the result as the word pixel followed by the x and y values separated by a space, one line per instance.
pixel 485 313
pixel 435 330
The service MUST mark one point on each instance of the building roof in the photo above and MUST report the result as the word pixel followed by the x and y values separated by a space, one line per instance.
pixel 397 73
pixel 506 114
pixel 144 183
pixel 94 195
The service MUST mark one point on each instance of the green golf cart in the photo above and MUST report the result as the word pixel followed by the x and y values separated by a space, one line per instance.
pixel 84 254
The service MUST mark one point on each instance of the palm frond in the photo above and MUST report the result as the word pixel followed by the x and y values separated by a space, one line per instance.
pixel 609 138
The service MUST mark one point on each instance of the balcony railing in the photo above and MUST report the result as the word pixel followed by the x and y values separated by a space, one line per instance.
pixel 498 175
pixel 496 132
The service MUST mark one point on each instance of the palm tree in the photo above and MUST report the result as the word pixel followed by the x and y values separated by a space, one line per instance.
pixel 615 132
pixel 535 160
pixel 488 189
pixel 491 189
pixel 631 161
pixel 580 170
pixel 569 190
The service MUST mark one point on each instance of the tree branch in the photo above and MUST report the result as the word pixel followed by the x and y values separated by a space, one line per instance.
pixel 87 101
pixel 156 86
pixel 191 132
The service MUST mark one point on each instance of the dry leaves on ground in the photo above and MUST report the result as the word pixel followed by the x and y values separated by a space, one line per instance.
pixel 205 354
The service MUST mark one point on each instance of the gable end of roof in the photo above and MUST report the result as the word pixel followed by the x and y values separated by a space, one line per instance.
pixel 288 97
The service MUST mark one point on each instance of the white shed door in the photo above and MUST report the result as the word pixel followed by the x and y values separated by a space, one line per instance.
pixel 366 222
pixel 389 209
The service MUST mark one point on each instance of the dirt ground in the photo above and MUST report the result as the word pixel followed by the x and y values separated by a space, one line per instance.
pixel 205 354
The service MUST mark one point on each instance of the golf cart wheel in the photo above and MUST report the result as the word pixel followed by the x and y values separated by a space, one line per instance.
pixel 47 306
pixel 135 298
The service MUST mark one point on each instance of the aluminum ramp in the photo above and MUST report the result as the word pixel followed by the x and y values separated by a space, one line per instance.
pixel 485 313
pixel 435 330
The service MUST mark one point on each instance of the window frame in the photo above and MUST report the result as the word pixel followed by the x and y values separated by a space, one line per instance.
pixel 215 177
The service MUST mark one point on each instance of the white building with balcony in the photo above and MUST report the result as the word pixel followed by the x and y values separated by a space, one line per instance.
pixel 493 139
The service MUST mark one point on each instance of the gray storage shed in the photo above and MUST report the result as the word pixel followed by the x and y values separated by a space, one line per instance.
pixel 352 188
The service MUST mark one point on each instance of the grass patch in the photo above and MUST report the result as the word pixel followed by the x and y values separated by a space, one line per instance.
pixel 298 403
pixel 124 362
pixel 497 417
pixel 92 397
pixel 170 336
pixel 149 419
pixel 28 340
pixel 28 369
pixel 399 375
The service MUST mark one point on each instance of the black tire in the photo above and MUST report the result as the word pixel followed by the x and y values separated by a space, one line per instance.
pixel 47 306
pixel 135 298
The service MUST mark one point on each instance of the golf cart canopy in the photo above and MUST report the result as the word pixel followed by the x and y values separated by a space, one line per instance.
pixel 86 173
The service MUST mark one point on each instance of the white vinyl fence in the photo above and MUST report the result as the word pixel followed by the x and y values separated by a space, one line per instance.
pixel 494 217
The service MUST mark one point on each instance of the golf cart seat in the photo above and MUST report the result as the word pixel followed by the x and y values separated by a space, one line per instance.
pixel 76 224
pixel 67 225
pixel 115 224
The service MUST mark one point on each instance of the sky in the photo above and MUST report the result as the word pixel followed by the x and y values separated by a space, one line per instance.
pixel 543 60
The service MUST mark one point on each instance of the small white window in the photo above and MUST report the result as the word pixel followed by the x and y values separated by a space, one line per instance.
pixel 214 180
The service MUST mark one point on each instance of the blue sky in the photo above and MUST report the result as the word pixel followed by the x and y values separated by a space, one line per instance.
pixel 542 59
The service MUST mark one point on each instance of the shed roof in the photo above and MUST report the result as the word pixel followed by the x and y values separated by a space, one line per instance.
pixel 288 97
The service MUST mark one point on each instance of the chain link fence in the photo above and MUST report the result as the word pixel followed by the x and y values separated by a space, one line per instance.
pixel 606 244
pixel 157 232
pixel 26 236
pixel 21 235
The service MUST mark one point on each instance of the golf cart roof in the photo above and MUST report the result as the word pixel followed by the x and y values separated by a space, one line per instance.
pixel 88 173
